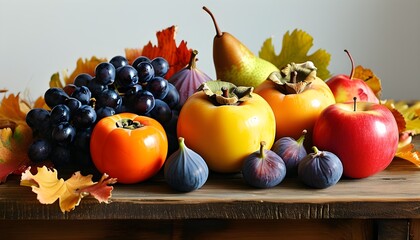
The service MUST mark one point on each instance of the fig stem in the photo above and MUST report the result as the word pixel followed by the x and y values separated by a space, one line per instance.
pixel 192 62
pixel 352 63
pixel 181 142
pixel 216 26
pixel 302 137
pixel 354 104
pixel 262 147
pixel 225 92
pixel 317 152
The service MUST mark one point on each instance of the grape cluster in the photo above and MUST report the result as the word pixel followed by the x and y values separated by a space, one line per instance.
pixel 62 134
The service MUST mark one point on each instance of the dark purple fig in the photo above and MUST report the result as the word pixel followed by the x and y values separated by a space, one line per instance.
pixel 263 168
pixel 291 151
pixel 185 170
pixel 320 169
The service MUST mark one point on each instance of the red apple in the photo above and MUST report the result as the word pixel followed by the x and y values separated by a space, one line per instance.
pixel 363 135
pixel 346 87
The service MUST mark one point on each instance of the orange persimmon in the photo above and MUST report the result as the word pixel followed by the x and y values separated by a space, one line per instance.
pixel 129 147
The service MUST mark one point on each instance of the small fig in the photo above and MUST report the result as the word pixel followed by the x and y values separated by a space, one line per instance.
pixel 188 79
pixel 291 151
pixel 185 170
pixel 320 169
pixel 263 168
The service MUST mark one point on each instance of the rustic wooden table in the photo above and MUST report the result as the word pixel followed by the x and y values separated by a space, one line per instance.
pixel 384 206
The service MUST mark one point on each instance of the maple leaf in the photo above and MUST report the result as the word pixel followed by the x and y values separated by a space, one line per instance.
pixel 70 192
pixel 177 56
pixel 295 48
pixel 15 135
pixel 82 66
pixel 370 78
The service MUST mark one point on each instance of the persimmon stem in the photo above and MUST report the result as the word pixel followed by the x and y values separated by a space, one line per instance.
pixel 294 77
pixel 354 104
pixel 352 63
pixel 225 92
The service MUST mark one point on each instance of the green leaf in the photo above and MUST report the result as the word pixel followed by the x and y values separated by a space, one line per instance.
pixel 295 48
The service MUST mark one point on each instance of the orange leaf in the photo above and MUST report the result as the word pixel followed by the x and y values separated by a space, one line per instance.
pixel 370 78
pixel 14 146
pixel 82 66
pixel 177 56
pixel 49 188
pixel 14 109
pixel 410 154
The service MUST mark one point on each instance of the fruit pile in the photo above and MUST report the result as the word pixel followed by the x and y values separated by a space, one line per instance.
pixel 262 120
pixel 63 133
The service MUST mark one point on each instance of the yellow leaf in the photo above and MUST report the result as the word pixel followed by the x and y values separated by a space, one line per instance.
pixel 410 154
pixel 49 188
pixel 370 78
pixel 295 48
pixel 82 66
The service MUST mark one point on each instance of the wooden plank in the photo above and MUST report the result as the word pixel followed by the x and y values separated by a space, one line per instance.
pixel 392 193
pixel 392 229
pixel 187 229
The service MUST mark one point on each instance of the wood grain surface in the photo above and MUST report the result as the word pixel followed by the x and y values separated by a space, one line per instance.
pixel 393 193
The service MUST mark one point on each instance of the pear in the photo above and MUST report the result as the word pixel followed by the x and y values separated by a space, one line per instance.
pixel 235 63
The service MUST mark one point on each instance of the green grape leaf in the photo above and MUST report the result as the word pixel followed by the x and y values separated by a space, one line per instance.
pixel 295 48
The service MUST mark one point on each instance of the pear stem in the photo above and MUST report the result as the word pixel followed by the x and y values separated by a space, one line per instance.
pixel 352 63
pixel 216 26
pixel 354 104
pixel 192 62
pixel 262 146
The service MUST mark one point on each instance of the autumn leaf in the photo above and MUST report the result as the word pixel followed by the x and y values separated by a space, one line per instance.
pixel 49 188
pixel 295 48
pixel 370 78
pixel 15 135
pixel 177 56
pixel 82 66
pixel 409 153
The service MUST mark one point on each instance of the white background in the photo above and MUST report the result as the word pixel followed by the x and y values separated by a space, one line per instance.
pixel 40 37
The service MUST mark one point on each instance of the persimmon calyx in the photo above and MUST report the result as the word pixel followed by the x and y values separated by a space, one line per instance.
pixel 128 124
pixel 294 78
pixel 225 93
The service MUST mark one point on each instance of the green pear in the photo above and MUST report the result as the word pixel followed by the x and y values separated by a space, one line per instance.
pixel 235 63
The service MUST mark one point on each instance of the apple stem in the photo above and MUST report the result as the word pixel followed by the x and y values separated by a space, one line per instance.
pixel 216 26
pixel 262 146
pixel 354 104
pixel 352 63
pixel 302 137
pixel 225 92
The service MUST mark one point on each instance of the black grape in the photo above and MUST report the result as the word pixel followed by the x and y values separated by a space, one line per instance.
pixel 108 98
pixel 145 71
pixel 127 76
pixel 39 150
pixel 63 133
pixel 84 117
pixel 172 97
pixel 96 87
pixel 139 60
pixel 141 102
pixel 54 96
pixel 161 111
pixel 104 112
pixel 161 66
pixel 118 61
pixel 105 73
pixel 158 86
pixel 73 104
pixel 82 79
pixel 83 94
pixel 59 114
